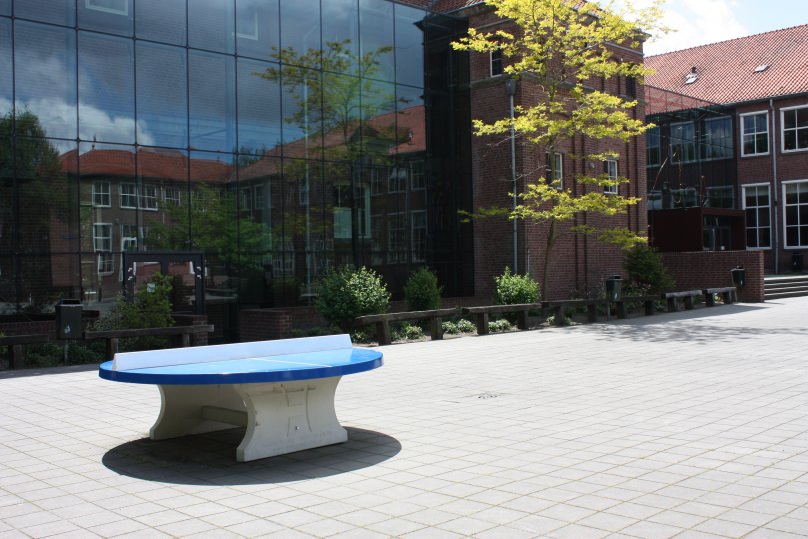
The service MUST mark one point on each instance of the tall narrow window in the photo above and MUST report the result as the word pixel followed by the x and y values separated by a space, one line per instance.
pixel 796 210
pixel 496 63
pixel 418 225
pixel 653 146
pixel 554 170
pixel 101 195
pixel 683 142
pixel 795 129
pixel 758 216
pixel 102 245
pixel 755 134
pixel 610 168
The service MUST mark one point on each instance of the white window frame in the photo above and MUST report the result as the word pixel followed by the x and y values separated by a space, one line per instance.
pixel 500 60
pixel 131 197
pixel 148 197
pixel 767 206
pixel 172 195
pixel 727 138
pixel 796 130
pixel 102 191
pixel 674 141
pixel 397 181
pixel 559 169
pixel 253 31
pixel 396 253
pixel 91 4
pixel 786 205
pixel 418 222
pixel 417 177
pixel 743 134
pixel 102 245
pixel 610 166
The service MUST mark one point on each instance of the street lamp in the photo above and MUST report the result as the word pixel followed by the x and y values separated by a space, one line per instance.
pixel 510 88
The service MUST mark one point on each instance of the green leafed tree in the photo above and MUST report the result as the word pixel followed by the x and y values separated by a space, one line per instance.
pixel 560 47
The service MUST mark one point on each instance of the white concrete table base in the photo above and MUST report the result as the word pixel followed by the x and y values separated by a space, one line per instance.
pixel 280 417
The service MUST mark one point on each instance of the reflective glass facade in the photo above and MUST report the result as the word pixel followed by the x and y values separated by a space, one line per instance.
pixel 276 138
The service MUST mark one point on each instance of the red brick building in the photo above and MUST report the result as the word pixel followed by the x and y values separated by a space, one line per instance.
pixel 728 160
pixel 579 262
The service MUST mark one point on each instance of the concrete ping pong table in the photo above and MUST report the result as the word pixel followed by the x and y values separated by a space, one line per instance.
pixel 282 391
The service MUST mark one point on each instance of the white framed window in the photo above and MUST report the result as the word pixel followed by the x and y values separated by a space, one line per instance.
pixel 102 197
pixel 495 63
pixel 418 235
pixel 754 134
pixel 148 198
pixel 610 169
pixel 396 237
pixel 117 7
pixel 397 182
pixel 127 195
pixel 717 140
pixel 417 179
pixel 171 195
pixel 102 245
pixel 378 180
pixel 653 147
pixel 245 199
pixel 683 142
pixel 758 216
pixel 554 172
pixel 794 122
pixel 342 211
pixel 795 196
pixel 258 197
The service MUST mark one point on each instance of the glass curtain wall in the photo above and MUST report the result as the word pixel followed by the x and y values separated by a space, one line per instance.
pixel 278 138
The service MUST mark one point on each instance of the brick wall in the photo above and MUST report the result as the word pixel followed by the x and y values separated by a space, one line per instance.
pixel 705 269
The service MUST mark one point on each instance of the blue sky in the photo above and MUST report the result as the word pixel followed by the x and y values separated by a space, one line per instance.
pixel 699 22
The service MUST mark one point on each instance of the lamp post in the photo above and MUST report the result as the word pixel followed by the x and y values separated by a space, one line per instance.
pixel 510 88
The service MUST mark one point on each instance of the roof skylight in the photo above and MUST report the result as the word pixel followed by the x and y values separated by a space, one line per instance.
pixel 692 76
pixel 761 67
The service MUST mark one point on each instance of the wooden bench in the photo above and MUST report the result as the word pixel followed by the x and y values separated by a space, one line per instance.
pixel 729 294
pixel 686 297
pixel 559 308
pixel 382 322
pixel 482 314
pixel 112 336
pixel 648 301
pixel 15 343
pixel 281 391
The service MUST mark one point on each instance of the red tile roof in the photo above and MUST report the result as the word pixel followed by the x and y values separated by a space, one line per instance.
pixel 726 70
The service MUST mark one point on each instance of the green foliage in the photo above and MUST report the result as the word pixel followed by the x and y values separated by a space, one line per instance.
pixel 499 326
pixel 347 292
pixel 461 326
pixel 551 320
pixel 407 332
pixel 512 288
pixel 150 308
pixel 421 291
pixel 646 272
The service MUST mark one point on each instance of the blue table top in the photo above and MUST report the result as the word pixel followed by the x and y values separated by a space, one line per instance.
pixel 285 368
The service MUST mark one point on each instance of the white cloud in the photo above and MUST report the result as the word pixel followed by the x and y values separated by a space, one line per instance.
pixel 697 22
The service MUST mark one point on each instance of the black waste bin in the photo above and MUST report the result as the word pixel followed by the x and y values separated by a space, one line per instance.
pixel 738 276
pixel 614 288
pixel 68 319
pixel 796 261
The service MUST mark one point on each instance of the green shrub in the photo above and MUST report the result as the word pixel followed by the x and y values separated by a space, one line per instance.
pixel 512 288
pixel 150 308
pixel 450 328
pixel 421 291
pixel 466 326
pixel 407 332
pixel 347 292
pixel 646 272
pixel 498 326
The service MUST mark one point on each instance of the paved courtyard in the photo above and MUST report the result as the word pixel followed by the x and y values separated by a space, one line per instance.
pixel 692 424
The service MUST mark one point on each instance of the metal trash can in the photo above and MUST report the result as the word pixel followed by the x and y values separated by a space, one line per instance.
pixel 738 276
pixel 796 261
pixel 614 288
pixel 68 319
